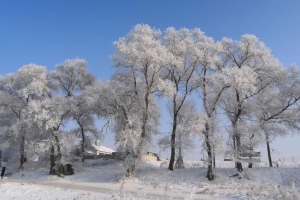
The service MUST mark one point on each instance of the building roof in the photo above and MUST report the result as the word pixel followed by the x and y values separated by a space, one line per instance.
pixel 103 149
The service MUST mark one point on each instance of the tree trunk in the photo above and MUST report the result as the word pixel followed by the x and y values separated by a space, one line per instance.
pixel 82 149
pixel 172 159
pixel 234 148
pixel 130 170
pixel 173 136
pixel 52 160
pixel 22 153
pixel 234 143
pixel 238 145
pixel 58 157
pixel 213 156
pixel 144 125
pixel 83 142
pixel 130 163
pixel 250 158
pixel 236 134
pixel 209 175
pixel 214 159
pixel 179 162
pixel 239 166
pixel 269 150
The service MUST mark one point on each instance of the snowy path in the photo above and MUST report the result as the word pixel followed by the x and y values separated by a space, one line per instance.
pixel 104 183
pixel 114 191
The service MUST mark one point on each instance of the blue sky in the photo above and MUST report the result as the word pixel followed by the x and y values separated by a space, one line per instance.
pixel 49 32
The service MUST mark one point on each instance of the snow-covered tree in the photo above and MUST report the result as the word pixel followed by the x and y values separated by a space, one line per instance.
pixel 210 80
pixel 141 55
pixel 184 49
pixel 117 101
pixel 83 114
pixel 28 85
pixel 71 78
pixel 189 125
pixel 250 68
pixel 277 110
pixel 50 114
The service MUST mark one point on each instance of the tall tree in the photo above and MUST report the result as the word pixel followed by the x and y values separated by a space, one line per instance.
pixel 17 91
pixel 117 101
pixel 190 124
pixel 211 85
pixel 70 79
pixel 180 70
pixel 276 109
pixel 83 114
pixel 250 68
pixel 142 55
pixel 50 114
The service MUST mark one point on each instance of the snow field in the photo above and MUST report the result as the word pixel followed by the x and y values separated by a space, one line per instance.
pixel 153 180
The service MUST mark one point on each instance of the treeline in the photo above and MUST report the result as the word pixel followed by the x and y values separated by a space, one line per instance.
pixel 239 79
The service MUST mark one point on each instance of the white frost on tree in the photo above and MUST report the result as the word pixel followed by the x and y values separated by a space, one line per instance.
pixel 249 67
pixel 141 55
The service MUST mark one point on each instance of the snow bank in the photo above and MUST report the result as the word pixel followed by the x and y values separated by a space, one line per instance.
pixel 21 191
pixel 255 183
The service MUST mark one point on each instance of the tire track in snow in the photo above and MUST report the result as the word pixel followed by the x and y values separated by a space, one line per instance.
pixel 112 189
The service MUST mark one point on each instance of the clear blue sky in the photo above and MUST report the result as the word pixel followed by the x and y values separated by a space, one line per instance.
pixel 49 32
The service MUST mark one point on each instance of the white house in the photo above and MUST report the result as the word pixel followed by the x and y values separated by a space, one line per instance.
pixel 100 150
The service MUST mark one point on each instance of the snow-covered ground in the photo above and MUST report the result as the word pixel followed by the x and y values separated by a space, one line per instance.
pixel 103 179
